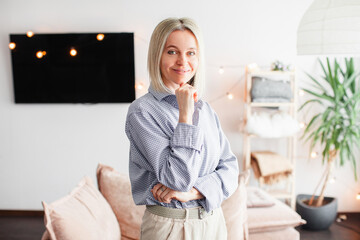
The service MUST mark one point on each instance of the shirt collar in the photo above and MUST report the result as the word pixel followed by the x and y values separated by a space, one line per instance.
pixel 158 95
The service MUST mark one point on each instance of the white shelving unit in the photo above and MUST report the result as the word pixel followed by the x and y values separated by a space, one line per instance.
pixel 288 193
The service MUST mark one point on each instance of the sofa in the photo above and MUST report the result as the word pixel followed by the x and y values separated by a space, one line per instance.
pixel 108 212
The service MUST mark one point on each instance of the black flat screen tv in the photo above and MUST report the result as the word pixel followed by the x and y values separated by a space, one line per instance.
pixel 73 68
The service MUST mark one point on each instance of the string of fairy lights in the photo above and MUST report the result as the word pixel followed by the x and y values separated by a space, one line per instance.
pixel 42 53
pixel 140 85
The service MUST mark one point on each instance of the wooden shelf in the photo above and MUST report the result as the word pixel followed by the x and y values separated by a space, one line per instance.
pixel 251 135
pixel 273 104
pixel 287 193
pixel 271 73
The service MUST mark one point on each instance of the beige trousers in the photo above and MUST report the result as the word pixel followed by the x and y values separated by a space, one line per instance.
pixel 156 227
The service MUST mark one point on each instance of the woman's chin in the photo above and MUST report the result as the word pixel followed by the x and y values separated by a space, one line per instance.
pixel 182 81
pixel 175 84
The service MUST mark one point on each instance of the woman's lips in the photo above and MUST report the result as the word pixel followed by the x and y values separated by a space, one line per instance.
pixel 181 71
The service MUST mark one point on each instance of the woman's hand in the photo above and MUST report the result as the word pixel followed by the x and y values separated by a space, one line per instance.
pixel 186 95
pixel 164 194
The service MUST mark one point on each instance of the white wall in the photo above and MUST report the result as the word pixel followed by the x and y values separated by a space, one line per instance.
pixel 46 149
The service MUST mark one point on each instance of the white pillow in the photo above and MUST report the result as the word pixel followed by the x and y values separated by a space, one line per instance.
pixel 266 125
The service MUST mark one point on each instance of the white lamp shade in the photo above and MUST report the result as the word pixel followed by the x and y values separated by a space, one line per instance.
pixel 330 27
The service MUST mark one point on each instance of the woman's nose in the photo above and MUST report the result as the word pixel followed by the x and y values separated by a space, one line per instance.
pixel 181 60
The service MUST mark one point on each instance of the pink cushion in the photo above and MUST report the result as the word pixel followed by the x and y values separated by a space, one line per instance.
pixel 84 214
pixel 256 198
pixel 234 209
pixel 117 190
pixel 277 217
pixel 125 238
pixel 46 236
pixel 284 234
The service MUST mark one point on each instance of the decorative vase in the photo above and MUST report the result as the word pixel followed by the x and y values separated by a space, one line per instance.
pixel 317 218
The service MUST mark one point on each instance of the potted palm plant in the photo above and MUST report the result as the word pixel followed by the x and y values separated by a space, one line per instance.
pixel 336 128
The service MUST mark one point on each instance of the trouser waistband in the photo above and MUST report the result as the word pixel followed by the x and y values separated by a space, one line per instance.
pixel 177 213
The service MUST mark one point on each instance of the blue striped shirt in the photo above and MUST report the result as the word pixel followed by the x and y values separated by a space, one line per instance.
pixel 178 155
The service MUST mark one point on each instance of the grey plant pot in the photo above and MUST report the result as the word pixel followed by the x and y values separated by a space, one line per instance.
pixel 317 218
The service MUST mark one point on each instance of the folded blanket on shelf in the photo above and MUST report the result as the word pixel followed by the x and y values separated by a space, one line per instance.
pixel 266 88
pixel 270 100
pixel 270 166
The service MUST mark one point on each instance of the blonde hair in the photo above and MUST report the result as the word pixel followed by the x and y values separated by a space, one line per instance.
pixel 156 48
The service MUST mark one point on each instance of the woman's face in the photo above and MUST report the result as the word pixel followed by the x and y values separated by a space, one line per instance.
pixel 179 60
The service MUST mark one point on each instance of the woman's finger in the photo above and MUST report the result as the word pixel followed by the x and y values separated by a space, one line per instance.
pixel 155 190
pixel 185 86
pixel 195 97
pixel 156 187
pixel 170 196
pixel 163 194
pixel 185 92
pixel 160 191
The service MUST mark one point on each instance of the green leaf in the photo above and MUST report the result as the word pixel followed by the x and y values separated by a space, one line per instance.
pixel 326 97
pixel 310 101
pixel 325 152
pixel 350 80
pixel 329 75
pixel 336 74
pixel 311 122
pixel 326 114
pixel 342 155
pixel 316 81
pixel 324 70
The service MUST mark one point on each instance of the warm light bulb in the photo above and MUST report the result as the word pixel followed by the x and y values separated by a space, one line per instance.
pixel 40 54
pixel 30 34
pixel 139 86
pixel 358 196
pixel 253 66
pixel 12 45
pixel 302 125
pixel 100 37
pixel 230 96
pixel 313 154
pixel 221 70
pixel 332 180
pixel 301 92
pixel 73 52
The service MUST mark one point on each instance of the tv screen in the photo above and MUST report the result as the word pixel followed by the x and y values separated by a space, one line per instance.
pixel 73 68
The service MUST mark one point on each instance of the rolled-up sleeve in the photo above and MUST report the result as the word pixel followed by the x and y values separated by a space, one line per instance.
pixel 222 183
pixel 187 136
pixel 175 159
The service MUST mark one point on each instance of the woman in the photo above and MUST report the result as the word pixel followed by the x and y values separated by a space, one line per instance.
pixel 181 166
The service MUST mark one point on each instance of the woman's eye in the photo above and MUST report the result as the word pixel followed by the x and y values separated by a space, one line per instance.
pixel 171 52
pixel 191 53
